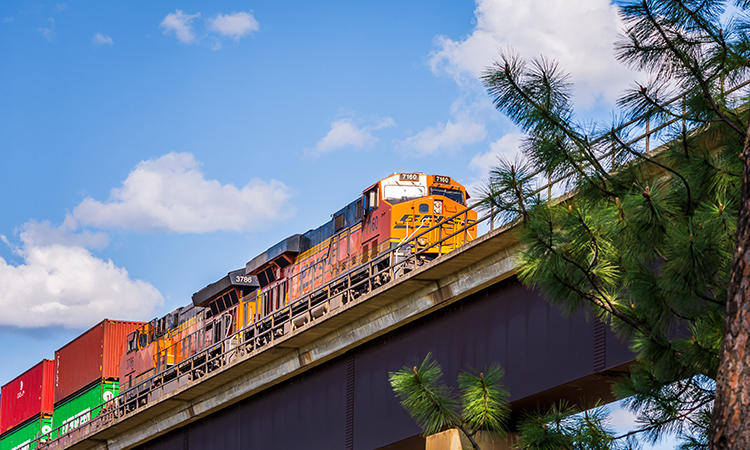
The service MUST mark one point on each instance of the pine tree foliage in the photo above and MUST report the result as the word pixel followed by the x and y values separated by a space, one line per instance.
pixel 646 238
pixel 484 402
pixel 423 394
pixel 481 406
pixel 564 427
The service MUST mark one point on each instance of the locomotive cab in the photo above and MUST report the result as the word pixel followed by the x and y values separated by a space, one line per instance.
pixel 407 205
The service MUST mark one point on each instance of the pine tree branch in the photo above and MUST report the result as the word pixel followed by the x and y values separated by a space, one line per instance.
pixel 642 327
pixel 485 397
pixel 664 422
pixel 720 170
pixel 709 299
pixel 662 108
pixel 673 311
pixel 602 302
pixel 658 164
pixel 695 71
pixel 470 437
pixel 569 133
pixel 593 240
pixel 710 31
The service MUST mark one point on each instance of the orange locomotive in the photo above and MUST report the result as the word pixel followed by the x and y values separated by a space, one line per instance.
pixel 169 343
pixel 289 276
pixel 389 212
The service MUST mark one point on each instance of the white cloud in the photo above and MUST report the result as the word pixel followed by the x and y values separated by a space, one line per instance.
pixel 234 25
pixel 7 20
pixel 345 133
pixel 506 147
pixel 579 35
pixel 63 284
pixel 172 194
pixel 451 135
pixel 60 7
pixel 181 25
pixel 43 234
pixel 49 31
pixel 621 418
pixel 101 39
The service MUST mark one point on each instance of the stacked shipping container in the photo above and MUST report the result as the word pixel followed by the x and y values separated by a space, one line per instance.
pixel 80 409
pixel 82 377
pixel 26 405
pixel 86 371
pixel 23 436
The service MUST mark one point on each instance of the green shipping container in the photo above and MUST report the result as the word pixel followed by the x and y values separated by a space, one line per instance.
pixel 23 437
pixel 73 413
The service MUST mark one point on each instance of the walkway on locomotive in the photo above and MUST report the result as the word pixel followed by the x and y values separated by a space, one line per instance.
pixel 186 331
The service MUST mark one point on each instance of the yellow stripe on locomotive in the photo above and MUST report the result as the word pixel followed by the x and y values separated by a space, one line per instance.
pixel 411 216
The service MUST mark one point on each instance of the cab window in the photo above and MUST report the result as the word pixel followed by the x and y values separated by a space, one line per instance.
pixel 142 340
pixel 371 199
pixel 453 194
pixel 132 345
pixel 395 193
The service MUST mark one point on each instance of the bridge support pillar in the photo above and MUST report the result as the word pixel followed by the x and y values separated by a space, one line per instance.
pixel 454 439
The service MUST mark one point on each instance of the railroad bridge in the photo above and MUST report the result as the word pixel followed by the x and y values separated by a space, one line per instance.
pixel 325 385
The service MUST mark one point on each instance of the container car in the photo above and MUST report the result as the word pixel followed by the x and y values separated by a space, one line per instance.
pixel 365 244
pixel 91 358
pixel 27 396
pixel 82 408
pixel 28 435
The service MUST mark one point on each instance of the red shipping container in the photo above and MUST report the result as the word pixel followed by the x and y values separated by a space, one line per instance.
pixel 28 395
pixel 91 357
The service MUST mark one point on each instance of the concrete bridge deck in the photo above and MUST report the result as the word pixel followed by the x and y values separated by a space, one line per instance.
pixel 324 385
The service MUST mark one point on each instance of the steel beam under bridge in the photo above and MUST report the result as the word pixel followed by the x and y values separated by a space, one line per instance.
pixel 326 387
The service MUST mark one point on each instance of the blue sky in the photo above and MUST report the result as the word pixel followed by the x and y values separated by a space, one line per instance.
pixel 149 148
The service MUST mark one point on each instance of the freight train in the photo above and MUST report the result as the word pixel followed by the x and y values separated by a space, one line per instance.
pixel 396 225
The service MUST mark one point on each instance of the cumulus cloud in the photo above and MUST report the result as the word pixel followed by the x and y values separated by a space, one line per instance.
pixel 60 283
pixel 346 133
pixel 49 31
pixel 172 194
pixel 234 25
pixel 507 147
pixel 101 39
pixel 579 35
pixel 621 418
pixel 181 25
pixel 44 234
pixel 451 135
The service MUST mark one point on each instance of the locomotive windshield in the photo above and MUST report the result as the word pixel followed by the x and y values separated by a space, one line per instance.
pixel 397 193
pixel 453 194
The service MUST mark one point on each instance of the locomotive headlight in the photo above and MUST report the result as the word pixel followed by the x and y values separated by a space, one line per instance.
pixel 422 241
pixel 437 207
